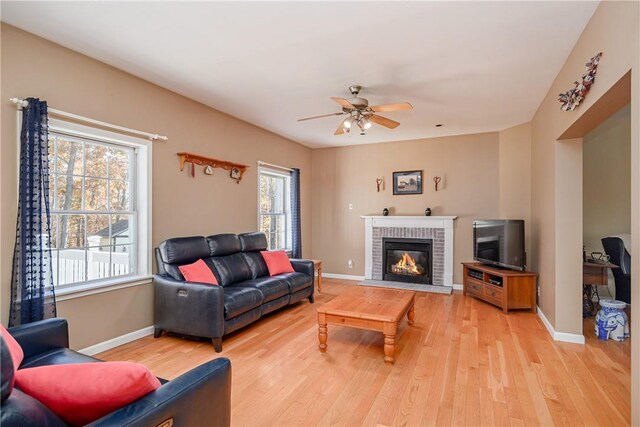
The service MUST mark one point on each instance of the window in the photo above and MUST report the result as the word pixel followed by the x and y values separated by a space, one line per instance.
pixel 99 203
pixel 274 208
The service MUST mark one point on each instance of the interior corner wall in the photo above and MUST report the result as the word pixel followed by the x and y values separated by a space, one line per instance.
pixel 613 30
pixel 468 165
pixel 515 176
pixel 182 205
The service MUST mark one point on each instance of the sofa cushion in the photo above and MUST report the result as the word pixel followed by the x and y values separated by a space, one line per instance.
pixel 256 264
pixel 180 251
pixel 238 300
pixel 81 393
pixel 296 281
pixel 223 244
pixel 277 262
pixel 231 269
pixel 17 355
pixel 271 287
pixel 58 356
pixel 251 242
pixel 198 272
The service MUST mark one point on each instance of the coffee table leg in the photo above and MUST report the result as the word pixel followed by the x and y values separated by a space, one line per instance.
pixel 411 315
pixel 322 332
pixel 389 348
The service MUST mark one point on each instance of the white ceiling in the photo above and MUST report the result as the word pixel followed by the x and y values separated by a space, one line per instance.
pixel 474 66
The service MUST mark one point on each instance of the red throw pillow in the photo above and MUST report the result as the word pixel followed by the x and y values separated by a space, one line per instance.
pixel 199 271
pixel 17 355
pixel 277 262
pixel 80 393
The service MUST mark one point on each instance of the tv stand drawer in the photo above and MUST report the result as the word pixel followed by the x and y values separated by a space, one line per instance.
pixel 475 288
pixel 493 292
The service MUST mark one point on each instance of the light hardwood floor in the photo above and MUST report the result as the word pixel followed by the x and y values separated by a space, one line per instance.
pixel 463 363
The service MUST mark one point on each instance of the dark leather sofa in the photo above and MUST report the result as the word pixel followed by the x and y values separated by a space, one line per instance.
pixel 246 290
pixel 200 397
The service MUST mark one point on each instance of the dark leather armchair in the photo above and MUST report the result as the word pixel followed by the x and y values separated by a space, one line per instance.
pixel 618 255
pixel 200 397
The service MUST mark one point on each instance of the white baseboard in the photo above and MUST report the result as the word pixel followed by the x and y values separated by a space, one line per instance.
pixel 560 336
pixel 342 276
pixel 457 287
pixel 115 342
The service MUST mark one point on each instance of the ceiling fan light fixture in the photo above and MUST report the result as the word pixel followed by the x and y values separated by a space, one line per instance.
pixel 366 124
pixel 348 123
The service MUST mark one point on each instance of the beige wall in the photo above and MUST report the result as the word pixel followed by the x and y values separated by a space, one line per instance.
pixel 613 30
pixel 556 190
pixel 468 165
pixel 607 180
pixel 515 176
pixel 182 205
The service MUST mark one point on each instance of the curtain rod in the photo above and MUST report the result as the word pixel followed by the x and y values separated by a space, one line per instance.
pixel 261 163
pixel 21 103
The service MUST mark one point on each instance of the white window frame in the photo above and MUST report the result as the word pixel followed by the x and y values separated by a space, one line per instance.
pixel 287 203
pixel 142 180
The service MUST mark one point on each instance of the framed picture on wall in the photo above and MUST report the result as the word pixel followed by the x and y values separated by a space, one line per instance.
pixel 407 182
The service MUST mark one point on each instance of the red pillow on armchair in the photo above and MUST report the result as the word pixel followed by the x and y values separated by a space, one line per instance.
pixel 277 262
pixel 17 355
pixel 80 393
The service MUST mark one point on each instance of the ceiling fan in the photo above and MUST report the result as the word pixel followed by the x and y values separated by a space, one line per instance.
pixel 360 114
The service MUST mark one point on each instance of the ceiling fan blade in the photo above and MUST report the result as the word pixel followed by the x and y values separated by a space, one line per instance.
pixel 344 103
pixel 383 121
pixel 400 106
pixel 324 115
pixel 340 129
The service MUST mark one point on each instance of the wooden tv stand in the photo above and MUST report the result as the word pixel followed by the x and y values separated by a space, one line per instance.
pixel 510 289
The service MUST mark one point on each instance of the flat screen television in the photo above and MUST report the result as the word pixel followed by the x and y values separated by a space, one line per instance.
pixel 499 242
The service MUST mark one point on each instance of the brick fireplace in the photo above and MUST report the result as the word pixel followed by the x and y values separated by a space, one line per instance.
pixel 432 250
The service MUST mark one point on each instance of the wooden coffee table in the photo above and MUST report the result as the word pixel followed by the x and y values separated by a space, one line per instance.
pixel 364 307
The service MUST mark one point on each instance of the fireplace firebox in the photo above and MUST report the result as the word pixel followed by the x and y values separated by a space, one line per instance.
pixel 407 260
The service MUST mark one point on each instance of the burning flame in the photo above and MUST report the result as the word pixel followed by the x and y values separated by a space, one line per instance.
pixel 407 265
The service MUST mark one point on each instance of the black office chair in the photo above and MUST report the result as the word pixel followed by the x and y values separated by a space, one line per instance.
pixel 619 256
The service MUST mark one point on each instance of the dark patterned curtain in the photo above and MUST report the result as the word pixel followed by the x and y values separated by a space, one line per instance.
pixel 296 227
pixel 32 295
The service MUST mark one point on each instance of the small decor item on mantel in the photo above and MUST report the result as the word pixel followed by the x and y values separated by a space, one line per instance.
pixel 379 182
pixel 437 180
pixel 572 98
pixel 385 212
pixel 208 170
pixel 427 212
pixel 407 182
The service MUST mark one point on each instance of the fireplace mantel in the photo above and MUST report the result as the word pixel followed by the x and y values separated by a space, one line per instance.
pixel 434 222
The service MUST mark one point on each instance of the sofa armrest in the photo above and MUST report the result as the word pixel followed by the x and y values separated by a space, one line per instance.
pixel 304 266
pixel 40 336
pixel 201 397
pixel 189 308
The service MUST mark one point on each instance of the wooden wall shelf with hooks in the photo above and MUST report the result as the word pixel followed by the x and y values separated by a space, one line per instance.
pixel 236 169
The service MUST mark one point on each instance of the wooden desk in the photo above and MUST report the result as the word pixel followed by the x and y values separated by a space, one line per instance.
pixel 594 274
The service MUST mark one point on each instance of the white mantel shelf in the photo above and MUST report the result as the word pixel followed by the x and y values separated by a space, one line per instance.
pixel 444 222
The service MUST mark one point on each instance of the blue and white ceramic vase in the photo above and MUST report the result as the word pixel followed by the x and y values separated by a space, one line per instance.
pixel 611 321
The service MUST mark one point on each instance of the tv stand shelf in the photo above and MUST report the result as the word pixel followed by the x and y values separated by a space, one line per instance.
pixel 507 289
